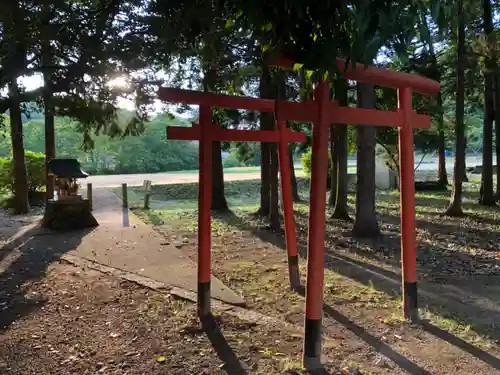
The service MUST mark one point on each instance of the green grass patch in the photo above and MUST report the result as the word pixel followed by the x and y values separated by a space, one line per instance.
pixel 176 205
pixel 235 170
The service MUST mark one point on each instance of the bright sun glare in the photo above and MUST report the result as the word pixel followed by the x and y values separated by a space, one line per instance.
pixel 118 82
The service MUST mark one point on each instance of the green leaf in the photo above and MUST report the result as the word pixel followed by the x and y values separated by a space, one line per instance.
pixel 309 74
pixel 265 47
pixel 297 67
pixel 229 23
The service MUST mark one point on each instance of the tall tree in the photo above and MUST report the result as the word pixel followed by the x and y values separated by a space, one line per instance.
pixel 21 202
pixel 295 188
pixel 366 224
pixel 455 207
pixel 47 61
pixel 497 132
pixel 333 165
pixel 219 202
pixel 13 63
pixel 341 153
pixel 265 147
pixel 487 196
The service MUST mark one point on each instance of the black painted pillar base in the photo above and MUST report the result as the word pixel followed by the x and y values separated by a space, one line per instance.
pixel 204 299
pixel 411 301
pixel 293 272
pixel 312 344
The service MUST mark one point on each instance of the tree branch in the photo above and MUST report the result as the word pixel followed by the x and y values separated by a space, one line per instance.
pixel 420 162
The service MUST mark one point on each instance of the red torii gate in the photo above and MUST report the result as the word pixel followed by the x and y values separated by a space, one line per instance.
pixel 321 112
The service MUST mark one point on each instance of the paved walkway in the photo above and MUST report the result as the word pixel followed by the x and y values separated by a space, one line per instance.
pixel 123 241
pixel 163 178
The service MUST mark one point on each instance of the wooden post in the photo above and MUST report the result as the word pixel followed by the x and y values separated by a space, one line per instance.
pixel 124 195
pixel 407 187
pixel 316 238
pixel 287 203
pixel 204 215
pixel 147 193
pixel 89 194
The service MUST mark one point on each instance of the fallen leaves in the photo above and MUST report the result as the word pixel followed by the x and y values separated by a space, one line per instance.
pixel 160 358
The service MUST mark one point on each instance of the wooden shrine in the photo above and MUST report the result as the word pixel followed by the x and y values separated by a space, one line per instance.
pixel 67 210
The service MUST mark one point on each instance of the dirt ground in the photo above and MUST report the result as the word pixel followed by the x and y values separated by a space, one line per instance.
pixel 85 322
pixel 362 323
pixel 67 320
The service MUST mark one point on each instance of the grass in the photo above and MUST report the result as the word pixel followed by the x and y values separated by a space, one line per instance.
pixel 178 204
pixel 246 170
pixel 235 170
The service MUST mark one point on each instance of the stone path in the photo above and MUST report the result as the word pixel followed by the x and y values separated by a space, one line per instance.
pixel 124 242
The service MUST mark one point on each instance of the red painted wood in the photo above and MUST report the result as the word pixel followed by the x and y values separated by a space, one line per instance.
pixel 374 117
pixel 204 196
pixel 286 189
pixel 216 133
pixel 407 196
pixel 377 76
pixel 297 111
pixel 316 239
pixel 214 100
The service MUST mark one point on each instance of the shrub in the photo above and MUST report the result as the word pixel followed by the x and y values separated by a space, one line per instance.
pixel 231 161
pixel 35 168
pixel 6 181
pixel 306 161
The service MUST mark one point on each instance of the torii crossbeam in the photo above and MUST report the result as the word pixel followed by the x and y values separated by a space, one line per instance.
pixel 206 133
pixel 322 112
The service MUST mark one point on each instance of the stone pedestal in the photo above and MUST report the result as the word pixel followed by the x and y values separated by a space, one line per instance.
pixel 385 178
pixel 68 214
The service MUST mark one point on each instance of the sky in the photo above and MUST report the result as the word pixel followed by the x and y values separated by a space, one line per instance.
pixel 35 81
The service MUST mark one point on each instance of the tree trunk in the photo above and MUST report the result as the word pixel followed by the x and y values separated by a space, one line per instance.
pixel 265 177
pixel 455 207
pixel 218 197
pixel 497 131
pixel 295 189
pixel 442 173
pixel 487 197
pixel 274 212
pixel 277 91
pixel 341 152
pixel 333 167
pixel 265 148
pixel 50 140
pixel 366 224
pixel 464 171
pixel 21 202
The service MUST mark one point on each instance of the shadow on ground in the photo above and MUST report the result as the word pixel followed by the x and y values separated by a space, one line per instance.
pixel 6 249
pixel 231 363
pixel 26 264
pixel 482 317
